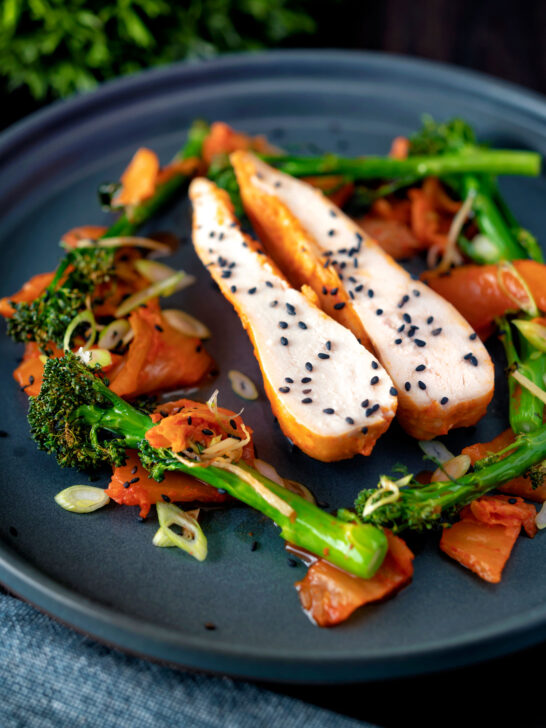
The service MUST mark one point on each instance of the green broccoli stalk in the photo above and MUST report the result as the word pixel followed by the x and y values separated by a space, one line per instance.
pixel 406 504
pixel 526 410
pixel 491 213
pixel 45 319
pixel 79 420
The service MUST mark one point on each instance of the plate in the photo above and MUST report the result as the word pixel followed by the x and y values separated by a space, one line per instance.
pixel 99 572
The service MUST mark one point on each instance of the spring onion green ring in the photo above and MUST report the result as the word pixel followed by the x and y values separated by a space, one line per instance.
pixel 82 498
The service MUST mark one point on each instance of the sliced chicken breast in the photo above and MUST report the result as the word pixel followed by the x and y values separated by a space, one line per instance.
pixel 442 371
pixel 330 395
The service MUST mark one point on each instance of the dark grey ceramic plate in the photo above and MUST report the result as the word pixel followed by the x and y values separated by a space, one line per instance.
pixel 100 572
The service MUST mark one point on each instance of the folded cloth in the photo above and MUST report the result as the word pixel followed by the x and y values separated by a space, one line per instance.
pixel 52 677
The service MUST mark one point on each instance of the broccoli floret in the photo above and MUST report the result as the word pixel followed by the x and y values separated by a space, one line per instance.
pixel 407 504
pixel 437 137
pixel 79 420
pixel 46 319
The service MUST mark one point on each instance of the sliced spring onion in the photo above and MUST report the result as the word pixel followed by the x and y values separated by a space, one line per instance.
pixel 113 334
pixel 299 489
pixel 540 519
pixel 186 324
pixel 269 471
pixel 161 537
pixel 531 386
pixel 154 271
pixel 166 287
pixel 436 450
pixel 534 332
pixel 451 254
pixel 126 241
pixel 261 489
pixel 529 305
pixel 485 249
pixel 95 357
pixel 82 498
pixel 452 469
pixel 242 385
pixel 194 542
pixel 85 317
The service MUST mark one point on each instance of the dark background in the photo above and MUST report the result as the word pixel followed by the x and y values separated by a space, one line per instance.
pixel 504 39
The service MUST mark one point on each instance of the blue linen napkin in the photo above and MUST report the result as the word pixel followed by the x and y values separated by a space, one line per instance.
pixel 51 677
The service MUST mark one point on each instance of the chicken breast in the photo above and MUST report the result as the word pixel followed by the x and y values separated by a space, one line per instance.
pixel 330 395
pixel 440 368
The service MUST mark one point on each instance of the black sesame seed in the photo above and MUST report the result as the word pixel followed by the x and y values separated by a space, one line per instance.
pixel 283 325
pixel 436 332
pixel 420 368
pixel 397 341
pixel 355 262
pixel 359 288
pixel 308 366
pixel 401 328
pixel 365 403
pixel 31 379
pixel 273 304
pixel 126 484
pixel 212 234
pixel 134 469
pixel 306 380
pixel 222 491
pixel 252 291
pixel 412 329
pixel 291 309
pixel 159 328
pixel 416 293
pixel 254 546
pixel 420 342
pixel 269 284
pixel 226 274
pixel 163 413
pixel 134 480
pixel 379 312
pixel 284 390
pixel 444 400
pixel 473 336
pixel 306 400
pixel 339 306
pixel 343 266
pixel 403 301
pixel 292 563
pixel 421 385
pixel 207 432
pixel 333 213
pixel 328 345
pixel 289 380
pixel 512 501
pixel 374 380
pixel 165 498
pixel 334 291
pixel 331 233
pixel 407 386
pixel 233 424
pixel 370 411
pixel 430 319
pixel 322 355
pixel 364 430
pixel 370 293
pixel 375 365
pixel 328 411
pixel 359 239
pixel 307 391
pixel 349 420
pixel 189 420
pixel 393 391
pixel 233 289
pixel 342 250
pixel 324 291
pixel 284 341
pixel 210 626
pixel 302 324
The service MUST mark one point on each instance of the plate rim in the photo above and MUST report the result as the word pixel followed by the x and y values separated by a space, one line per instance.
pixel 159 643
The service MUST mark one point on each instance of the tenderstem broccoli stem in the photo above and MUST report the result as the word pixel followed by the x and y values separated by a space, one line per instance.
pixel 526 410
pixel 489 218
pixel 478 161
pixel 355 547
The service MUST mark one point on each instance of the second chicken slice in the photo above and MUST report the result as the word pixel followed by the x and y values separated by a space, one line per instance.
pixel 330 395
